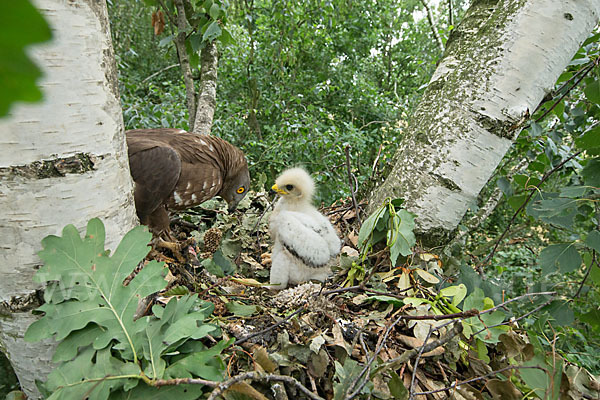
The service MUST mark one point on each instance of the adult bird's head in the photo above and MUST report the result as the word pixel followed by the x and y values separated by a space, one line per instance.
pixel 295 185
pixel 236 185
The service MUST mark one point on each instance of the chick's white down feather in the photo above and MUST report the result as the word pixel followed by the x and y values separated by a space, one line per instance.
pixel 305 241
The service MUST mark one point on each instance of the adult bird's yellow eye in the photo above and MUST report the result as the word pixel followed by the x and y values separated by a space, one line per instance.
pixel 241 190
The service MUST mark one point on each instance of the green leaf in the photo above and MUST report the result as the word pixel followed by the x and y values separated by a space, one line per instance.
pixel 67 349
pixel 85 376
pixel 344 376
pixel 179 392
pixel 593 240
pixel 591 172
pixel 483 322
pixel 213 31
pixel 505 186
pixel 592 318
pixel 214 11
pixel 239 309
pixel 589 139
pixel 517 201
pixel 76 263
pixel 166 40
pixel 561 258
pixel 526 181
pixel 178 290
pixel 457 293
pixel 404 224
pixel 592 92
pixel 561 311
pixel 212 267
pixel 200 364
pixel 367 228
pixel 18 73
pixel 553 209
pixel 224 263
pixel 397 388
pixel 226 38
pixel 387 299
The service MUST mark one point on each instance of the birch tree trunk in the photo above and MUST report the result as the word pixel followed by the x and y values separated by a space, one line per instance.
pixel 498 65
pixel 63 161
pixel 207 96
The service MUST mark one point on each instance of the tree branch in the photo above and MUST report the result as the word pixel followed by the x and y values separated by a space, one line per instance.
pixel 255 376
pixel 184 61
pixel 533 191
pixel 436 35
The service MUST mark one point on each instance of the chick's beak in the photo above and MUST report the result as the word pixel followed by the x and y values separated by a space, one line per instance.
pixel 276 189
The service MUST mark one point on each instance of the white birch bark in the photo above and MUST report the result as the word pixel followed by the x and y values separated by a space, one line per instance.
pixel 207 96
pixel 62 161
pixel 498 65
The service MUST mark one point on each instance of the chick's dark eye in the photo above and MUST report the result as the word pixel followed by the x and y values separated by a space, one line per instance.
pixel 289 187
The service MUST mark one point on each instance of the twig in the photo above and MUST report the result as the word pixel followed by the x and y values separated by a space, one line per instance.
pixel 351 181
pixel 184 61
pixel 594 261
pixel 533 190
pixel 486 210
pixel 504 303
pixel 255 228
pixel 461 315
pixel 370 123
pixel 425 348
pixel 512 321
pixel 416 365
pixel 364 289
pixel 587 71
pixel 457 384
pixel 370 361
pixel 184 381
pixel 436 35
pixel 374 168
pixel 160 72
pixel 255 376
pixel 270 328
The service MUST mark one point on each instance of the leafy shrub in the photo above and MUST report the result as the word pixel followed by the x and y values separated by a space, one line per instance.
pixel 103 350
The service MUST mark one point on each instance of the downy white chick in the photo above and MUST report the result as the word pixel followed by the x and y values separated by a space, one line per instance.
pixel 305 241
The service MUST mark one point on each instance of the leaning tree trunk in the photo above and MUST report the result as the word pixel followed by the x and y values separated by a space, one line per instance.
pixel 62 161
pixel 498 65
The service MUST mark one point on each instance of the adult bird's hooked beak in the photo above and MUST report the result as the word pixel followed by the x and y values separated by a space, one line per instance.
pixel 276 189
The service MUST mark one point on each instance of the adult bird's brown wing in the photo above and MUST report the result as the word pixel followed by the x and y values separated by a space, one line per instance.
pixel 155 169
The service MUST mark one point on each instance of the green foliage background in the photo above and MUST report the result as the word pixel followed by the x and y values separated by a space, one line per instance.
pixel 300 82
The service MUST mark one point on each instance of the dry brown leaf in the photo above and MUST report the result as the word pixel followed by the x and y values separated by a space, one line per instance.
pixel 158 22
pixel 262 358
pixel 245 389
pixel 265 259
pixel 353 238
pixel 349 251
pixel 251 261
pixel 503 390
pixel 338 338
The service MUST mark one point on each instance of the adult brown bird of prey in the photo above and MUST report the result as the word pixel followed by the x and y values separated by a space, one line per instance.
pixel 174 170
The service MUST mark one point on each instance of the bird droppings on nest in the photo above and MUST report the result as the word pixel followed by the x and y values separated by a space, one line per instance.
pixel 296 296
